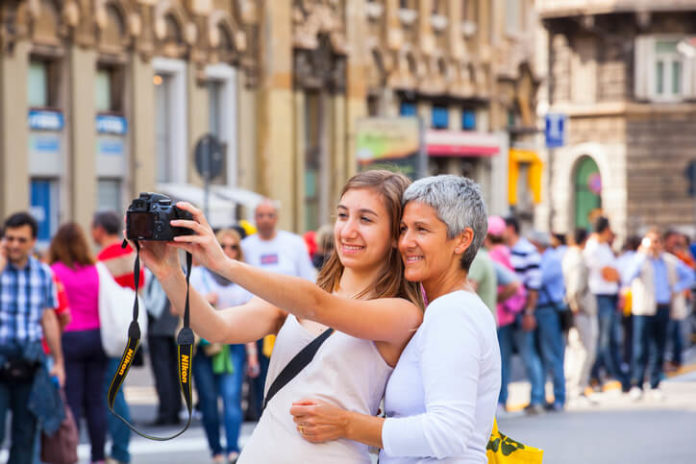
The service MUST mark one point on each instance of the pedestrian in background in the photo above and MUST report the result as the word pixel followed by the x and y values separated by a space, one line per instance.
pixel 677 244
pixel 27 302
pixel 526 261
pixel 276 251
pixel 623 263
pixel 162 327
pixel 511 298
pixel 604 279
pixel 106 233
pixel 658 280
pixel 85 359
pixel 551 301
pixel 219 369
pixel 582 338
pixel 325 246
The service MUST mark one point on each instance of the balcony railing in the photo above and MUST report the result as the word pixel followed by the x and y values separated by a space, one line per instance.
pixel 559 8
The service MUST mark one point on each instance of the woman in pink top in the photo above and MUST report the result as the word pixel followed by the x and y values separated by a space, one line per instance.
pixel 85 360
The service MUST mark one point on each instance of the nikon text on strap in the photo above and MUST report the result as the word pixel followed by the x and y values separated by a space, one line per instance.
pixel 185 353
pixel 296 365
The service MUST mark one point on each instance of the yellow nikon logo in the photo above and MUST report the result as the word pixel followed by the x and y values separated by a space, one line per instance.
pixel 184 368
pixel 126 360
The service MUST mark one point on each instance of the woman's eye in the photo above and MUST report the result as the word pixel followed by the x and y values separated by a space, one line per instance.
pixel 342 215
pixel 365 219
pixel 402 229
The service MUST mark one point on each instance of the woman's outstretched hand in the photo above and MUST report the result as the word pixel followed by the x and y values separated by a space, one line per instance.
pixel 202 244
pixel 318 421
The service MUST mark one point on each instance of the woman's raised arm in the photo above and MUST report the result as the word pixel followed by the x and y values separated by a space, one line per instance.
pixel 245 323
pixel 391 320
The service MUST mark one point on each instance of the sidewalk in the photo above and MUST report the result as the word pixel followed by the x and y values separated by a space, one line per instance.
pixel 519 390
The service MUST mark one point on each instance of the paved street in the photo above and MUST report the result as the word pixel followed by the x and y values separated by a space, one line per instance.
pixel 613 431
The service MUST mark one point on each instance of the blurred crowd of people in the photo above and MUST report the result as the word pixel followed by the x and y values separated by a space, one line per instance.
pixel 587 317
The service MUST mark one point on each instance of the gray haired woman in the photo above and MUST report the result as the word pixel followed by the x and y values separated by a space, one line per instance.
pixel 441 398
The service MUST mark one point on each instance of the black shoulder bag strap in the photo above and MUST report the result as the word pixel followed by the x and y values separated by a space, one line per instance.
pixel 184 341
pixel 296 364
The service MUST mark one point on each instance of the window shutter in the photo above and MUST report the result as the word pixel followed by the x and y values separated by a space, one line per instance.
pixel 689 77
pixel 643 67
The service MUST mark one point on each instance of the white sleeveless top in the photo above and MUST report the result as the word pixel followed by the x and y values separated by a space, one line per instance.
pixel 346 371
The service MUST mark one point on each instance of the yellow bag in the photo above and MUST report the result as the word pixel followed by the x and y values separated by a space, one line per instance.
pixel 502 449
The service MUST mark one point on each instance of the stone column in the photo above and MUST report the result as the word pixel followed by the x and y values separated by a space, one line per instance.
pixel 82 178
pixel 14 132
pixel 142 127
pixel 355 103
pixel 276 176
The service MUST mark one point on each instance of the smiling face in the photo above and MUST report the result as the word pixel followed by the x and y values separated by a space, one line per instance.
pixel 429 255
pixel 362 230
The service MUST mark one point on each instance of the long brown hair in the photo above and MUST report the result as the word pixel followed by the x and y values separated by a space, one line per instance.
pixel 69 246
pixel 390 281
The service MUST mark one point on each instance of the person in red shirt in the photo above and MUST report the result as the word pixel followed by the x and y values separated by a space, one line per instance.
pixel 106 233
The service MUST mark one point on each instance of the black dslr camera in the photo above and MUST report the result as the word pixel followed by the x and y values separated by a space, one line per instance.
pixel 148 218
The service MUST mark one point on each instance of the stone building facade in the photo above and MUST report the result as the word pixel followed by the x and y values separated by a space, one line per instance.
pixel 624 74
pixel 102 99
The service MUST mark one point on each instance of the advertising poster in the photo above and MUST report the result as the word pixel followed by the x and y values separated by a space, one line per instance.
pixel 395 144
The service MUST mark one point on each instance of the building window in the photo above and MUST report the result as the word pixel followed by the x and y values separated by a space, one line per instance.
pixel 668 69
pixel 468 120
pixel 42 84
pixel 408 109
pixel 440 117
pixel 662 72
pixel 109 83
pixel 109 195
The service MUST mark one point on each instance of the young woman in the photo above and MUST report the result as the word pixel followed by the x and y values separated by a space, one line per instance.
pixel 220 374
pixel 360 293
pixel 441 399
pixel 85 361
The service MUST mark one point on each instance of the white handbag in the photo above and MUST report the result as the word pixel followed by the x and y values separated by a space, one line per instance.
pixel 116 313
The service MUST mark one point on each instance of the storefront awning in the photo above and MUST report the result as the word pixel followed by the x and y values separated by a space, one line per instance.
pixel 516 157
pixel 461 143
pixel 222 201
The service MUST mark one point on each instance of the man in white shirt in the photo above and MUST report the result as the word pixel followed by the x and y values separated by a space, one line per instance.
pixel 604 281
pixel 276 251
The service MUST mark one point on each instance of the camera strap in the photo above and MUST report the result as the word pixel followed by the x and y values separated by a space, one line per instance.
pixel 185 341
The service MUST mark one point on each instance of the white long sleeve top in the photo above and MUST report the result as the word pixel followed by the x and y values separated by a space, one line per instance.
pixel 441 398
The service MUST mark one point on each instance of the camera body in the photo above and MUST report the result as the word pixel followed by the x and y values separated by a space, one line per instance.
pixel 148 216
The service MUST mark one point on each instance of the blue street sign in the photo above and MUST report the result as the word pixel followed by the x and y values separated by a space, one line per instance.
pixel 555 130
pixel 46 120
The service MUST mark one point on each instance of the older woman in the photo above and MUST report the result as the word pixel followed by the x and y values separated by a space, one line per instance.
pixel 441 398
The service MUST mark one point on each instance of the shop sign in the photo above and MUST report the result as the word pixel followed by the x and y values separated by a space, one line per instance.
pixel 46 120
pixel 109 124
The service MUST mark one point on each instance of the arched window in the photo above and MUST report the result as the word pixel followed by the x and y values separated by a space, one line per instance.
pixel 588 191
